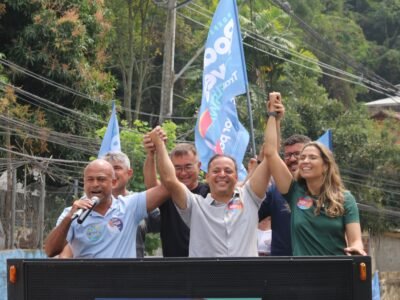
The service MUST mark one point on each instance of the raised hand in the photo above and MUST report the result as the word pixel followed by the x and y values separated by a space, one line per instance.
pixel 148 143
pixel 157 136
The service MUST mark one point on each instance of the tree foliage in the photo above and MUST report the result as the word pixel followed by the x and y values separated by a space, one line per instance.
pixel 63 41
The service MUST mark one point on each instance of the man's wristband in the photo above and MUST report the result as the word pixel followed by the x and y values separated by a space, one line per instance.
pixel 272 114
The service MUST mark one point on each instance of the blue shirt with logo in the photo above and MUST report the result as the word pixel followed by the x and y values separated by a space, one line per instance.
pixel 112 235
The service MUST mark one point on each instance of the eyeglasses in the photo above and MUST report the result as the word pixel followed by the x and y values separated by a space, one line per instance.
pixel 290 154
pixel 189 168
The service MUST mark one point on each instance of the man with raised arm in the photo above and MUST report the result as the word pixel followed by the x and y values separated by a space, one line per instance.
pixel 174 232
pixel 110 229
pixel 123 173
pixel 225 222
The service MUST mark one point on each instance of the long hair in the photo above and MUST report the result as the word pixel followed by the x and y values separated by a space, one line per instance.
pixel 331 195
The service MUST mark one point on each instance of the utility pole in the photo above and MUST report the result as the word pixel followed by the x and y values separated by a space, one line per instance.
pixel 13 204
pixel 40 228
pixel 8 200
pixel 167 85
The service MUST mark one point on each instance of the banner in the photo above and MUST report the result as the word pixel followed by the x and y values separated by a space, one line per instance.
pixel 111 141
pixel 218 129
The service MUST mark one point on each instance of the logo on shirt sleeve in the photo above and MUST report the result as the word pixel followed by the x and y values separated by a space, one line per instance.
pixel 304 202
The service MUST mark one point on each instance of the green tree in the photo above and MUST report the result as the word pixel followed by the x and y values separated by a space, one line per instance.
pixel 135 45
pixel 380 21
pixel 132 145
pixel 65 42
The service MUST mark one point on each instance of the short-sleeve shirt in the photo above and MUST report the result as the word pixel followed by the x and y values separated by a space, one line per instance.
pixel 112 235
pixel 222 229
pixel 173 232
pixel 318 234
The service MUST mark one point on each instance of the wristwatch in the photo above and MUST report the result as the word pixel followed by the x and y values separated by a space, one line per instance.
pixel 272 114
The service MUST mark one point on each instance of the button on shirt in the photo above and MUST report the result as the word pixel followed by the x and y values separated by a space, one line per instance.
pixel 218 229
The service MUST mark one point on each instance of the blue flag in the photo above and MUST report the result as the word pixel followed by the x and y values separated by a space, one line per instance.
pixel 111 140
pixel 326 139
pixel 218 130
pixel 376 291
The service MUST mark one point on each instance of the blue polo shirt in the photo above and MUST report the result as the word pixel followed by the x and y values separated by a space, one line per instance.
pixel 112 235
pixel 277 208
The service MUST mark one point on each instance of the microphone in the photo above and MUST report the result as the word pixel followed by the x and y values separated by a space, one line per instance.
pixel 82 214
pixel 77 214
pixel 79 211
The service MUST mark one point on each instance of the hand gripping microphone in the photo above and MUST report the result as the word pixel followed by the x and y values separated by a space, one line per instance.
pixel 79 211
pixel 82 214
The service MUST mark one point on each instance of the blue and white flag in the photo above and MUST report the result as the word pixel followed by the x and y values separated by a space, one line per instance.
pixel 218 130
pixel 111 141
pixel 326 139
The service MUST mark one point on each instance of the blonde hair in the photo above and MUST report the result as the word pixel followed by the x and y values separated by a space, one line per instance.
pixel 332 190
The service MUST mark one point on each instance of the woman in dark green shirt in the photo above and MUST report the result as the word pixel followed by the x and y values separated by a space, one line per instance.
pixel 324 219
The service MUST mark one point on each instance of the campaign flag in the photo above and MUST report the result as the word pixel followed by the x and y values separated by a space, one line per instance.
pixel 111 140
pixel 376 290
pixel 218 129
pixel 326 139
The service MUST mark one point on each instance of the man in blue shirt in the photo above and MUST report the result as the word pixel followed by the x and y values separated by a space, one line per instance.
pixel 110 230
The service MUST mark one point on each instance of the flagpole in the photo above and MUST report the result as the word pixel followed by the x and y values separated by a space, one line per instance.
pixel 253 142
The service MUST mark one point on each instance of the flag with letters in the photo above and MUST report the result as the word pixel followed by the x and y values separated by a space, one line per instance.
pixel 218 129
pixel 111 141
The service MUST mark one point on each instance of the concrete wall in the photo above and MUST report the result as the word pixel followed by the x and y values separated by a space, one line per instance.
pixel 386 252
pixel 390 285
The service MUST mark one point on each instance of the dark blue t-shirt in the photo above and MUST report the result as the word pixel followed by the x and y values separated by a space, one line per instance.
pixel 277 208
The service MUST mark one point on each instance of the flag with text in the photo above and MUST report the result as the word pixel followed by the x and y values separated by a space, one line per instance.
pixel 218 129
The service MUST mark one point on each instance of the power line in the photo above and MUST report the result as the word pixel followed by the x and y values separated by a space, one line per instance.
pixel 359 80
pixel 71 141
pixel 329 47
pixel 75 92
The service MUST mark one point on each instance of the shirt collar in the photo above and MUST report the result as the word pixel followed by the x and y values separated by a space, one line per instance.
pixel 213 202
